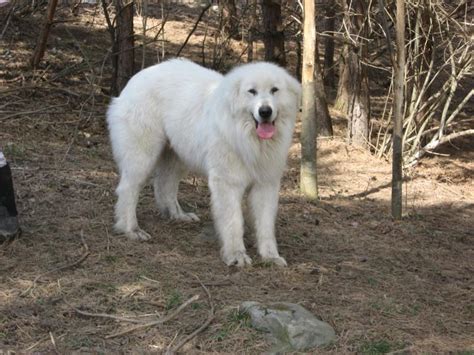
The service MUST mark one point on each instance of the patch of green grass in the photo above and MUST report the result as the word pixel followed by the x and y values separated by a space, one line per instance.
pixel 371 281
pixel 221 334
pixel 237 317
pixel 174 300
pixel 111 259
pixel 375 347
pixel 196 305
pixel 470 309
pixel 14 151
pixel 81 342
pixel 413 309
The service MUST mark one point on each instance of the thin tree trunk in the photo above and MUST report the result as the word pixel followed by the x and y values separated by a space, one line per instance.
pixel 322 110
pixel 330 25
pixel 353 91
pixel 229 18
pixel 308 176
pixel 342 97
pixel 43 37
pixel 397 173
pixel 273 38
pixel 125 59
pixel 299 59
pixel 252 30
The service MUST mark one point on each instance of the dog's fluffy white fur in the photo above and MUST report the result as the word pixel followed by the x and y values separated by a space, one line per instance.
pixel 178 116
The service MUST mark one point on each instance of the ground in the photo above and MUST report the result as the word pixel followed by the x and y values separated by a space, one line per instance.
pixel 385 286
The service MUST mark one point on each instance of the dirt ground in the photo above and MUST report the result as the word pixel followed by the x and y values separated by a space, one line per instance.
pixel 385 286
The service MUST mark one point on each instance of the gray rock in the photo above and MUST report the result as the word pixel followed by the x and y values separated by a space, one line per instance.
pixel 290 326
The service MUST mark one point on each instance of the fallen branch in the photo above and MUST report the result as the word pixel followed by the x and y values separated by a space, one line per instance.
pixel 104 315
pixel 155 322
pixel 43 109
pixel 435 144
pixel 225 282
pixel 61 268
pixel 208 321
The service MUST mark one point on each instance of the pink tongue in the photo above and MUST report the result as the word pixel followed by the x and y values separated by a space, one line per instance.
pixel 265 130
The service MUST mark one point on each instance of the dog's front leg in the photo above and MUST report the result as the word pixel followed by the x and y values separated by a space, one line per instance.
pixel 264 204
pixel 226 199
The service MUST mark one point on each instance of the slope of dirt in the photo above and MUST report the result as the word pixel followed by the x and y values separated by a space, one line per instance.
pixel 383 285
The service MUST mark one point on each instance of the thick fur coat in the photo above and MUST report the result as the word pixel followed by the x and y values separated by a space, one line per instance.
pixel 234 129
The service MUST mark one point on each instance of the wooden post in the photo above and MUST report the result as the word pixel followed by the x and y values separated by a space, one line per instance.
pixel 308 176
pixel 399 68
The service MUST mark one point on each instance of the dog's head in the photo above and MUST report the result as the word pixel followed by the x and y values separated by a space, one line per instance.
pixel 265 97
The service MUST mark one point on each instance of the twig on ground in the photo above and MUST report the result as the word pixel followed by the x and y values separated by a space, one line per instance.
pixel 148 279
pixel 53 342
pixel 104 315
pixel 36 344
pixel 61 268
pixel 4 118
pixel 208 321
pixel 225 282
pixel 155 322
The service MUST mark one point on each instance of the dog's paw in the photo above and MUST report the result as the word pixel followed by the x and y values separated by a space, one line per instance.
pixel 188 217
pixel 185 217
pixel 138 234
pixel 277 260
pixel 237 258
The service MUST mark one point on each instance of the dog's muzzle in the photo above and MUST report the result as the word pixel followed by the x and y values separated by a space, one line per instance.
pixel 264 125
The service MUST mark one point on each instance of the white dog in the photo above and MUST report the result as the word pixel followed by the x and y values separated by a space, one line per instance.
pixel 234 129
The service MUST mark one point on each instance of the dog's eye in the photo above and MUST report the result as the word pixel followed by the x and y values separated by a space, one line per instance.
pixel 253 91
pixel 273 90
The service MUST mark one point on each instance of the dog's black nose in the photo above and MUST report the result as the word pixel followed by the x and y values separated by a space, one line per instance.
pixel 265 112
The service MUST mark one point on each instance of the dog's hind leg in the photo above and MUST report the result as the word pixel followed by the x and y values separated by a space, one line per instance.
pixel 169 171
pixel 135 170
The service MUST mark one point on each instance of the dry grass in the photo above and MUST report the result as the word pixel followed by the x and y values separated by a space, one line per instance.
pixel 383 285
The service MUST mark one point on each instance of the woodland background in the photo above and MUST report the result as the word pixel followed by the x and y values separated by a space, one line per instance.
pixel 384 285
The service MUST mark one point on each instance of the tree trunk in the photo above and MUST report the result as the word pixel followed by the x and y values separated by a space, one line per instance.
pixel 397 173
pixel 273 37
pixel 358 105
pixel 343 93
pixel 230 24
pixel 124 53
pixel 44 34
pixel 330 25
pixel 353 90
pixel 252 30
pixel 322 110
pixel 308 176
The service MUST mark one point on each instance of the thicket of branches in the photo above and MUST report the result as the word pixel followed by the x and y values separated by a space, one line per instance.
pixel 354 57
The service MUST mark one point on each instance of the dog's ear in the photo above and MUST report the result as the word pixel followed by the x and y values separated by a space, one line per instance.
pixel 233 95
pixel 294 87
